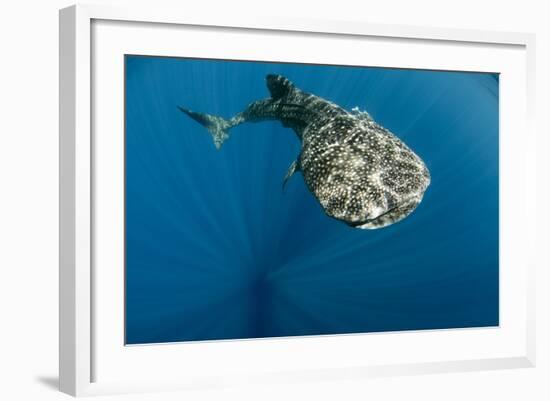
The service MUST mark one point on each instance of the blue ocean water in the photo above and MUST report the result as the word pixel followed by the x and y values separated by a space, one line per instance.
pixel 216 250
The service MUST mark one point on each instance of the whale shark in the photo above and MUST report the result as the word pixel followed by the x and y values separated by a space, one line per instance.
pixel 359 172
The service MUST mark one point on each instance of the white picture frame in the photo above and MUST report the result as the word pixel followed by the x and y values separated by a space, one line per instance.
pixel 80 348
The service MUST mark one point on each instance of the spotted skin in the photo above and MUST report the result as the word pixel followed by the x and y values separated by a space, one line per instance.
pixel 359 172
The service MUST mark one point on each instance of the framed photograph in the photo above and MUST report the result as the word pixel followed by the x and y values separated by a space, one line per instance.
pixel 261 200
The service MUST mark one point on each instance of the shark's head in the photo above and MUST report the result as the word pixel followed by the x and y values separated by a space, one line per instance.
pixel 373 200
pixel 367 179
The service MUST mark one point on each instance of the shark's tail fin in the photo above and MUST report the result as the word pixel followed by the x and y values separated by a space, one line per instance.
pixel 217 126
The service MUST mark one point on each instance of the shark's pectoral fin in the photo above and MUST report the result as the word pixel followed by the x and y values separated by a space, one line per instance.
pixel 295 166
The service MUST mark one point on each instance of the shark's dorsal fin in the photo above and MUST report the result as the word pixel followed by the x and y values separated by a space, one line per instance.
pixel 295 166
pixel 278 86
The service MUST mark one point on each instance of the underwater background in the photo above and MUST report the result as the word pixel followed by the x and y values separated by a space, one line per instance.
pixel 216 250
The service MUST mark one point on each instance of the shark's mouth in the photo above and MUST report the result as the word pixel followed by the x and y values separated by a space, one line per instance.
pixel 359 224
pixel 390 216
